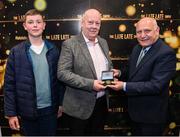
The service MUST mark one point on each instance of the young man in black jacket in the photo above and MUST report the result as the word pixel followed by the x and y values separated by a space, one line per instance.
pixel 31 90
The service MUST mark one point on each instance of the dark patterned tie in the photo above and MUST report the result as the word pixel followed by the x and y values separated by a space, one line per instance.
pixel 141 55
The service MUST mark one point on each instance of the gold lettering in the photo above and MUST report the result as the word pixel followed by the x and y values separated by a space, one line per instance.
pixel 120 109
pixel 118 36
pixel 156 16
pixel 58 37
pixel 18 18
pixel 128 36
pixel 168 16
pixel 20 37
pixel 106 16
pixel 121 36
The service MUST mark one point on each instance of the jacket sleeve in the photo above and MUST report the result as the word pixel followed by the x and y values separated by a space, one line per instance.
pixel 65 70
pixel 62 88
pixel 10 87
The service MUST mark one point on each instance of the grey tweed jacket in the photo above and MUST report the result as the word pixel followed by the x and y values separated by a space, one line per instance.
pixel 76 69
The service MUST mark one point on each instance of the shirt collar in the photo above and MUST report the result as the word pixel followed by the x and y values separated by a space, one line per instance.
pixel 147 48
pixel 87 40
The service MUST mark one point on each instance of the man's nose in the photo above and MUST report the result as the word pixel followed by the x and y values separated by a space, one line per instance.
pixel 143 34
pixel 35 24
pixel 94 25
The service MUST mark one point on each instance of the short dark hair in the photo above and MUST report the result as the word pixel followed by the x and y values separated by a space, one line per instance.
pixel 33 12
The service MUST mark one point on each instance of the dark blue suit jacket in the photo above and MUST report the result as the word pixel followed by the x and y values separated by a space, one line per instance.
pixel 147 85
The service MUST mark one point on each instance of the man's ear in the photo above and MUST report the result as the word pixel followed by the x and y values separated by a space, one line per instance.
pixel 158 29
pixel 24 25
pixel 44 25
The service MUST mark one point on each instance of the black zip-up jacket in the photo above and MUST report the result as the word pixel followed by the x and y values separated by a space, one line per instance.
pixel 19 84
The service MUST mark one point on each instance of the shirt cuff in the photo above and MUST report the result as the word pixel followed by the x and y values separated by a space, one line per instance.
pixel 124 86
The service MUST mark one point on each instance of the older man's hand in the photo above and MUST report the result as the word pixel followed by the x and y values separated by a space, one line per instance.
pixel 116 85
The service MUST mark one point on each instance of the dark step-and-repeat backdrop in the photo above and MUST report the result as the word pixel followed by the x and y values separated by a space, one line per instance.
pixel 118 28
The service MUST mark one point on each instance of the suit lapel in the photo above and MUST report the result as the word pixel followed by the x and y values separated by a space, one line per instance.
pixel 151 52
pixel 134 58
pixel 85 52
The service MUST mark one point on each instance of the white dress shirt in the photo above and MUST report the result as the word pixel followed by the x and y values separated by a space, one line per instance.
pixel 99 60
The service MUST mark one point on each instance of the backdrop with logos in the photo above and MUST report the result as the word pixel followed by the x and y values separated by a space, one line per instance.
pixel 118 28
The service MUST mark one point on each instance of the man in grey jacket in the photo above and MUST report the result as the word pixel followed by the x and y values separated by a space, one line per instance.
pixel 82 60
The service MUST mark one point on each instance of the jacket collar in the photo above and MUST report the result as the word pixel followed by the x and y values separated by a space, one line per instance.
pixel 151 52
pixel 47 44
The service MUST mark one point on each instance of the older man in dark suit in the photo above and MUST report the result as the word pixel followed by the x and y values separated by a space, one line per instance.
pixel 82 60
pixel 151 66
